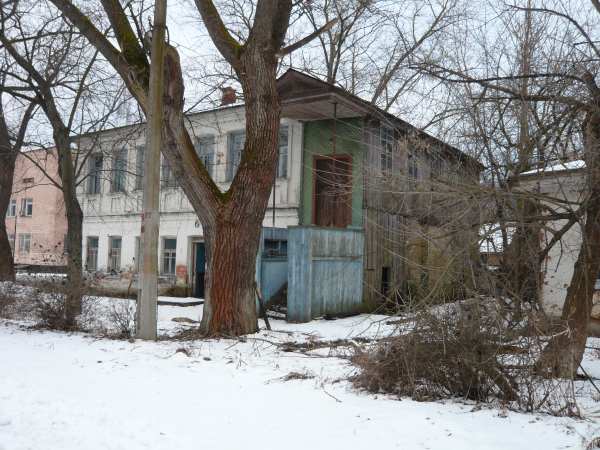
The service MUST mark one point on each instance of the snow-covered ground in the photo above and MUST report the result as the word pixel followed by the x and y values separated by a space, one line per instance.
pixel 63 391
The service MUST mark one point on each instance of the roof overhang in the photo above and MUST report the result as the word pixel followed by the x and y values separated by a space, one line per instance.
pixel 321 106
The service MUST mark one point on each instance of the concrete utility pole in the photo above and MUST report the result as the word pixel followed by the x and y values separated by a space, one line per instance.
pixel 148 280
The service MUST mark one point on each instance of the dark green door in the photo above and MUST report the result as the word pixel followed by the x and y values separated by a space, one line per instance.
pixel 200 269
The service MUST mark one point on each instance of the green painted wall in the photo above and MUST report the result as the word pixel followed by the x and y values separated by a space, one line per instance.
pixel 318 140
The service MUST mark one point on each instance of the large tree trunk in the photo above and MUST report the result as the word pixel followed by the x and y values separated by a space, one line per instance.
pixel 232 220
pixel 74 214
pixel 231 228
pixel 520 262
pixel 7 170
pixel 563 354
pixel 74 262
pixel 232 264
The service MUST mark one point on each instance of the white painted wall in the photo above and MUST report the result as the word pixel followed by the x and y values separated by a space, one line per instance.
pixel 557 269
pixel 118 214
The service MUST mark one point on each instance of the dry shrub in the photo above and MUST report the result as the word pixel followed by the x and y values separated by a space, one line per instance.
pixel 121 319
pixel 473 352
pixel 8 301
pixel 49 308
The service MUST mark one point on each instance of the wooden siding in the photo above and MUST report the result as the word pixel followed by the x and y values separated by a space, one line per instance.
pixel 325 272
pixel 411 232
pixel 318 141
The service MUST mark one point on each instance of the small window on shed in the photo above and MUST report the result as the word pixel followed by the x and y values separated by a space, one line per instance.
pixel 27 180
pixel 275 248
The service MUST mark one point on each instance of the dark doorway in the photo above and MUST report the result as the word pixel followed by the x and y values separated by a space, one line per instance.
pixel 199 269
pixel 332 203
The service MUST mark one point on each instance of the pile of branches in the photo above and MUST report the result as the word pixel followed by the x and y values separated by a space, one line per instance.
pixel 473 352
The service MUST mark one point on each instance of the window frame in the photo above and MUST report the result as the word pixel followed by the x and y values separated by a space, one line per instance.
pixel 280 250
pixel 282 157
pixel 11 211
pixel 95 166
pixel 234 156
pixel 88 254
pixel 205 147
pixel 26 207
pixel 22 241
pixel 117 258
pixel 387 143
pixel 140 161
pixel 413 167
pixel 118 179
pixel 11 242
pixel 168 257
pixel 167 179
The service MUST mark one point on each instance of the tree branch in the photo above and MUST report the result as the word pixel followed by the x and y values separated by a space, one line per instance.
pixel 225 43
pixel 305 40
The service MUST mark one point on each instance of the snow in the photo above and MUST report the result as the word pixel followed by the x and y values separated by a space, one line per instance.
pixel 75 391
pixel 563 166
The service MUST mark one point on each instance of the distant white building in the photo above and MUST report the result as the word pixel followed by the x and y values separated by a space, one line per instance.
pixel 564 181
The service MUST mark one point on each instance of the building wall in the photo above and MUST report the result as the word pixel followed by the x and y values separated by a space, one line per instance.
pixel 47 224
pixel 118 214
pixel 319 140
pixel 557 268
pixel 417 242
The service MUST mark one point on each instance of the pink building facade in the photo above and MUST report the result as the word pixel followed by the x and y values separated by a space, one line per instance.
pixel 35 221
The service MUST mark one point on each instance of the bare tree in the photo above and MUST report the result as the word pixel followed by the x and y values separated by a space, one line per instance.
pixel 52 61
pixel 11 141
pixel 557 92
pixel 231 220
pixel 373 44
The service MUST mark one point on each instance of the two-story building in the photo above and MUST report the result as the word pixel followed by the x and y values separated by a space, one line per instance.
pixel 343 164
pixel 35 220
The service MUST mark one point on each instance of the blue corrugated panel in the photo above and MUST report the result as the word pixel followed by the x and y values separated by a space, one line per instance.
pixel 325 272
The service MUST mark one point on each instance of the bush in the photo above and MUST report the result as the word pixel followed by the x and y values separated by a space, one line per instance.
pixel 468 350
pixel 49 308
pixel 442 357
pixel 7 304
pixel 121 319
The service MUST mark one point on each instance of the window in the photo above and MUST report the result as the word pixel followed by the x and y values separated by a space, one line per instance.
pixel 138 252
pixel 27 180
pixel 168 256
pixel 11 241
pixel 91 256
pixel 114 253
pixel 27 207
pixel 413 167
pixel 12 209
pixel 167 177
pixel 387 143
pixel 235 145
pixel 282 158
pixel 139 166
pixel 205 147
pixel 24 243
pixel 436 167
pixel 66 244
pixel 119 171
pixel 94 183
pixel 275 248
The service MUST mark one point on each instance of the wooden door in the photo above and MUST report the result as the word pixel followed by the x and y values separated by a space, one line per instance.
pixel 332 201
